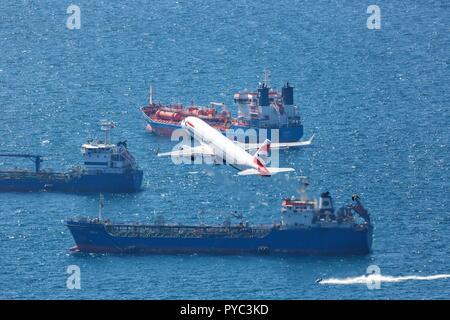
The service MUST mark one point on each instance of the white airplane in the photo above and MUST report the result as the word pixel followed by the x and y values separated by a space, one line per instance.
pixel 221 150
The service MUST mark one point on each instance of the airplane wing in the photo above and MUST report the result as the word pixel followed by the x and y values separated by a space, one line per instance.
pixel 271 170
pixel 186 151
pixel 281 145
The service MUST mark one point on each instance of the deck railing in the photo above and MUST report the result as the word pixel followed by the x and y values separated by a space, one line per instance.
pixel 185 231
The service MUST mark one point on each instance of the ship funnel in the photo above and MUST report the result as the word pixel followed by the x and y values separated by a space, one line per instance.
pixel 263 90
pixel 287 92
pixel 263 95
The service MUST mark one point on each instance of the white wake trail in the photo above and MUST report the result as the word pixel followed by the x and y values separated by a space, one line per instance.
pixel 380 278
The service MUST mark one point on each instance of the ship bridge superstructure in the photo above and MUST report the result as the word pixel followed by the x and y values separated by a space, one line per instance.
pixel 104 156
pixel 303 211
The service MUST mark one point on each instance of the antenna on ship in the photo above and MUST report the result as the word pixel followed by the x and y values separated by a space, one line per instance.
pixel 239 216
pixel 266 77
pixel 106 126
pixel 303 185
pixel 101 204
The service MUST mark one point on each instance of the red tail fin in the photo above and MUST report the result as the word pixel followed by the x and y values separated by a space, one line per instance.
pixel 263 150
pixel 260 158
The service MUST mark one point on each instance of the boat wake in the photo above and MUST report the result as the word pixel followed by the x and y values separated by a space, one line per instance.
pixel 380 278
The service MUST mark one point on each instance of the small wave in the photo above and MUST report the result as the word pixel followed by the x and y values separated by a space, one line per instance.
pixel 380 278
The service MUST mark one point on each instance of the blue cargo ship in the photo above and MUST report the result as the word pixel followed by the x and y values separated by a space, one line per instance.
pixel 306 227
pixel 268 113
pixel 107 167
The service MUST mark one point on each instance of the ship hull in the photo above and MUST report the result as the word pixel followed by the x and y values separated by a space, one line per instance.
pixel 284 134
pixel 82 183
pixel 95 238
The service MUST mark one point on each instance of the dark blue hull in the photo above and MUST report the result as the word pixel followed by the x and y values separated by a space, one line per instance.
pixel 285 134
pixel 96 237
pixel 101 182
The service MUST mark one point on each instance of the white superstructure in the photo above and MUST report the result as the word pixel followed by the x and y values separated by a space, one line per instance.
pixel 103 156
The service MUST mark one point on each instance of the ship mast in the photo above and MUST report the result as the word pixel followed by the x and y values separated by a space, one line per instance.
pixel 100 207
pixel 304 184
pixel 151 96
pixel 106 126
pixel 266 77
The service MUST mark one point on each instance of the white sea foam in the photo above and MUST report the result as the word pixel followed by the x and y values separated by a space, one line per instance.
pixel 380 278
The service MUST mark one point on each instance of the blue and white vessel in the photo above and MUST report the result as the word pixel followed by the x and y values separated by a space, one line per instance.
pixel 307 227
pixel 107 167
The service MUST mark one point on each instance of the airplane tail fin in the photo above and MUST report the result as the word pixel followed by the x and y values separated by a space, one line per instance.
pixel 262 152
pixel 259 159
pixel 266 173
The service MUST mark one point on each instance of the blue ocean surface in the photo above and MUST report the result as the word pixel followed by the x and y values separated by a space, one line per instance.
pixel 378 101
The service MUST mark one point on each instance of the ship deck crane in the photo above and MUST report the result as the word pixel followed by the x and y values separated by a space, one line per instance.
pixel 35 158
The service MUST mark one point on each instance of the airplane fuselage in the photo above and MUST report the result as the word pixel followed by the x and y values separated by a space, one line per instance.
pixel 225 150
pixel 219 149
